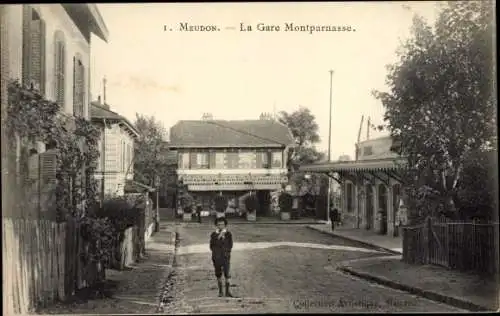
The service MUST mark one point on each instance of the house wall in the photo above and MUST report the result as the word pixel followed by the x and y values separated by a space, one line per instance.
pixel 55 18
pixel 118 148
pixel 379 147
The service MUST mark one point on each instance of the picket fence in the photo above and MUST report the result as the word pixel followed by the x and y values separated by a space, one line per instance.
pixel 41 263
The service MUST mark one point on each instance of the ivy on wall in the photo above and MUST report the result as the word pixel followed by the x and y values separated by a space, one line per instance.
pixel 75 141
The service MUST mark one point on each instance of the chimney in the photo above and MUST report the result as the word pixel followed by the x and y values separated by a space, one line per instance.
pixel 207 116
pixel 104 87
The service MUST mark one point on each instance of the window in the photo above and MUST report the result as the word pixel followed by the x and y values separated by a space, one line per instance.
pixel 277 158
pixel 202 160
pixel 219 160
pixel 246 160
pixel 367 151
pixel 184 160
pixel 232 160
pixel 123 156
pixel 262 159
pixel 33 64
pixel 59 67
pixel 78 86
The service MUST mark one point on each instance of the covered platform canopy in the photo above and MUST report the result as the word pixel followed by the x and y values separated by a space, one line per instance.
pixel 387 166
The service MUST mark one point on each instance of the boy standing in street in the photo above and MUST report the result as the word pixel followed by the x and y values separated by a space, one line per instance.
pixel 221 244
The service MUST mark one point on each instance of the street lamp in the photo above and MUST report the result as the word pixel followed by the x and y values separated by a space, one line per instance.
pixel 329 149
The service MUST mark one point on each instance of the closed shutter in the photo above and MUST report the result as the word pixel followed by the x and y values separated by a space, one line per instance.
pixel 193 164
pixel 78 87
pixel 59 60
pixel 48 180
pixel 258 160
pixel 268 159
pixel 211 160
pixel 36 63
pixel 33 167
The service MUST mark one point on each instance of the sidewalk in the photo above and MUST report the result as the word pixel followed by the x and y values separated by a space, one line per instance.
pixel 390 244
pixel 136 289
pixel 466 291
pixel 259 220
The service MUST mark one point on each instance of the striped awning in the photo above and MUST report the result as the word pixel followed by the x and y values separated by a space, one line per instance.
pixel 353 166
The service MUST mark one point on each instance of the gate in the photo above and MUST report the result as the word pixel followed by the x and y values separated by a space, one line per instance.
pixel 438 238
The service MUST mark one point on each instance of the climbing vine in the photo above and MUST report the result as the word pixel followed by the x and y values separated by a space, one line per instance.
pixel 75 142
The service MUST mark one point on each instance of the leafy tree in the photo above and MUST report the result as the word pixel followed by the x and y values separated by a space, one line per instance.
pixel 150 150
pixel 441 103
pixel 304 128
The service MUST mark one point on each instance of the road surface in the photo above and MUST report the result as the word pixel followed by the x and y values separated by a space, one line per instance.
pixel 282 268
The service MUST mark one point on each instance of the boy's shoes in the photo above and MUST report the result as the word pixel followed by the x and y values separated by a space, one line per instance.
pixel 228 293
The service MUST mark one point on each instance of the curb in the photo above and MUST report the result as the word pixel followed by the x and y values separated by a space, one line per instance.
pixel 460 303
pixel 357 240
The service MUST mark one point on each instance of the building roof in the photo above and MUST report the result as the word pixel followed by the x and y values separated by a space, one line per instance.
pixel 88 15
pixel 220 133
pixel 360 165
pixel 99 112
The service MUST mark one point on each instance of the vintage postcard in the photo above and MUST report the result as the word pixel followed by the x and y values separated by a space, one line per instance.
pixel 270 157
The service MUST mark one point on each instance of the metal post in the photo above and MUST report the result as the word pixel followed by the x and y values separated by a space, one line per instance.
pixel 329 150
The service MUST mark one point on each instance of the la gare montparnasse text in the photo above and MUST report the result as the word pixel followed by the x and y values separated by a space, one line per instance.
pixel 292 27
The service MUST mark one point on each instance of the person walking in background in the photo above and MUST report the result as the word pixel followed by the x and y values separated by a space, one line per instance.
pixel 221 244
pixel 334 217
pixel 199 208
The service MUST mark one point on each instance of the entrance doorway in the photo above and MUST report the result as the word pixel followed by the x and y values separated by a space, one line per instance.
pixel 382 207
pixel 369 206
pixel 264 204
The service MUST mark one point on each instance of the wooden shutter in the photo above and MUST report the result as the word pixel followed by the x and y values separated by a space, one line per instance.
pixel 192 160
pixel 48 167
pixel 60 62
pixel 35 60
pixel 33 167
pixel 258 160
pixel 211 160
pixel 78 87
pixel 81 88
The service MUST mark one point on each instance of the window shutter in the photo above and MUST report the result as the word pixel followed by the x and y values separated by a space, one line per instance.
pixel 48 167
pixel 27 13
pixel 211 158
pixel 60 62
pixel 258 160
pixel 192 160
pixel 37 55
pixel 81 88
pixel 269 160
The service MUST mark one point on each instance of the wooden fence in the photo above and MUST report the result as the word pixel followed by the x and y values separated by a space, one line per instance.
pixel 42 263
pixel 464 246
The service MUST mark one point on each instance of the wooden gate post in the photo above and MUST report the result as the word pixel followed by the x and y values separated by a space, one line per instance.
pixel 429 240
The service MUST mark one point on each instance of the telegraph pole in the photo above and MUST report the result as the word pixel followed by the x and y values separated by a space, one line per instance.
pixel 329 150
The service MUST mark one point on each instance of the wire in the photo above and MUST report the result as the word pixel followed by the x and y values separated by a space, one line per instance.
pixel 245 133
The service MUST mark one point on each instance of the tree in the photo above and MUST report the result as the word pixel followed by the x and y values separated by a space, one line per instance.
pixel 441 103
pixel 150 150
pixel 304 128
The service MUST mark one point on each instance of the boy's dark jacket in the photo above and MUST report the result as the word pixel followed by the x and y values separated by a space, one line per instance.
pixel 221 247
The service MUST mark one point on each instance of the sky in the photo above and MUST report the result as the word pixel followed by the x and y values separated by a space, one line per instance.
pixel 179 75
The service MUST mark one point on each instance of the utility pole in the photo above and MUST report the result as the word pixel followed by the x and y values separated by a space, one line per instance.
pixel 329 150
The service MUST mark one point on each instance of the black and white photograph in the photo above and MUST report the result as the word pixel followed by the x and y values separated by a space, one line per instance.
pixel 249 157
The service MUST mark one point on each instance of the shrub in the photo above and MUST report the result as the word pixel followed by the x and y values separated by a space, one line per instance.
pixel 251 203
pixel 286 202
pixel 187 203
pixel 220 203
pixel 122 212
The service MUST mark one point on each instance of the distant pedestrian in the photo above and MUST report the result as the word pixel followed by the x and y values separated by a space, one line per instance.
pixel 334 217
pixel 199 209
pixel 221 244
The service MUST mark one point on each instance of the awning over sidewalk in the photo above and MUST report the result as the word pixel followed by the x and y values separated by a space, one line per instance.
pixel 353 166
pixel 137 187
